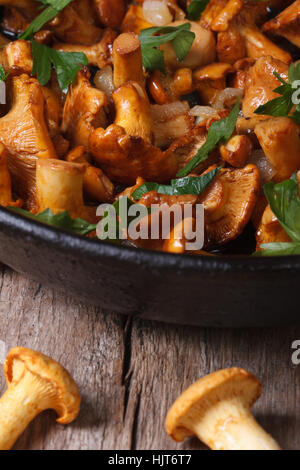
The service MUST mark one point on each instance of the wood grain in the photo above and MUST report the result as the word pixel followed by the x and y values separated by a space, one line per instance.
pixel 129 371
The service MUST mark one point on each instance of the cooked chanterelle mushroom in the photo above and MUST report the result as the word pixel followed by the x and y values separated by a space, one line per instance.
pixel 158 102
pixel 216 409
pixel 286 24
pixel 35 383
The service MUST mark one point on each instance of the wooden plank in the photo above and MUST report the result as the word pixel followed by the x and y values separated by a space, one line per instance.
pixel 129 371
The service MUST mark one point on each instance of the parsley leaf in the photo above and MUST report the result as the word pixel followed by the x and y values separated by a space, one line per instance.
pixel 196 8
pixel 284 201
pixel 62 221
pixel 66 64
pixel 283 105
pixel 3 75
pixel 219 132
pixel 152 38
pixel 54 7
pixel 189 185
pixel 279 249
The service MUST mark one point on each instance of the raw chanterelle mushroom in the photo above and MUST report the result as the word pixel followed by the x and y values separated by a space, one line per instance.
pixel 217 410
pixel 35 383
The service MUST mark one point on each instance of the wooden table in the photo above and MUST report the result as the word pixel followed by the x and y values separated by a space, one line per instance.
pixel 130 371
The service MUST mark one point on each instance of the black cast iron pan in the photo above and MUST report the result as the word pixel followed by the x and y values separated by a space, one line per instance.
pixel 224 291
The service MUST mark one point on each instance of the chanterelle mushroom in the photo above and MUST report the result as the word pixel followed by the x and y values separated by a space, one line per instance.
pixel 59 187
pixel 83 111
pixel 30 7
pixel 217 410
pixel 270 230
pixel 261 82
pixel 25 135
pixel 279 138
pixel 69 26
pixel 35 383
pixel 239 192
pixel 111 12
pixel 6 198
pixel 98 54
pixel 286 24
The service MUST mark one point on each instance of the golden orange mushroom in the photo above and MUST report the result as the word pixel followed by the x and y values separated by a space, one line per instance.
pixel 225 221
pixel 59 187
pixel 237 150
pixel 24 132
pixel 110 12
pixel 35 383
pixel 286 24
pixel 98 54
pixel 6 198
pixel 127 58
pixel 270 230
pixel 83 111
pixel 210 80
pixel 280 140
pixel 216 409
pixel 96 184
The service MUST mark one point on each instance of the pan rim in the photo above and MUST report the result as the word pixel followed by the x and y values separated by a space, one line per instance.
pixel 67 241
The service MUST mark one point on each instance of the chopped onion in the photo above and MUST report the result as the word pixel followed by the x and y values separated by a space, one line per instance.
pixel 202 113
pixel 157 12
pixel 165 112
pixel 266 170
pixel 226 95
pixel 104 80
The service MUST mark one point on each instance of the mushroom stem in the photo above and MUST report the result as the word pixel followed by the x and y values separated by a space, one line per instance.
pixel 133 111
pixel 127 57
pixel 18 407
pixel 238 430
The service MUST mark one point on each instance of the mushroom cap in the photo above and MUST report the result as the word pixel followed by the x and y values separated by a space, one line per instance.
pixel 226 221
pixel 224 385
pixel 286 24
pixel 64 391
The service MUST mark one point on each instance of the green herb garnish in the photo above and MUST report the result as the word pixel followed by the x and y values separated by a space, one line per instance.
pixel 53 8
pixel 119 224
pixel 284 201
pixel 283 105
pixel 62 221
pixel 152 38
pixel 219 132
pixel 189 185
pixel 66 64
pixel 3 75
pixel 196 8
